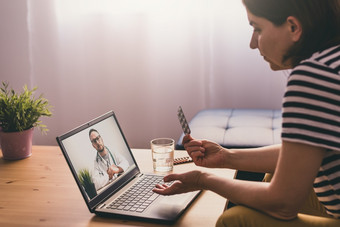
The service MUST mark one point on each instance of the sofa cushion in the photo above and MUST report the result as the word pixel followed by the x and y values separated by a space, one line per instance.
pixel 236 128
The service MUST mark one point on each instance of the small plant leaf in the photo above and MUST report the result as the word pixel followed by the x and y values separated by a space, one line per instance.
pixel 22 111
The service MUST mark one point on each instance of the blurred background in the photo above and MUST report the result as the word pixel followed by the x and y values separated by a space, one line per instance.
pixel 141 59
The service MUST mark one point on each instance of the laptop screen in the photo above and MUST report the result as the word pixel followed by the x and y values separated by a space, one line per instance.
pixel 99 156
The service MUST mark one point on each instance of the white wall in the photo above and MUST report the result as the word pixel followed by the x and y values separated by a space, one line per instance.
pixel 142 61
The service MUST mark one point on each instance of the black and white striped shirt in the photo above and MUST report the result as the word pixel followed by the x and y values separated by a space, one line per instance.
pixel 311 115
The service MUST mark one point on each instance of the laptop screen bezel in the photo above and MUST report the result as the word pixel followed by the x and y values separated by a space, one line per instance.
pixel 119 182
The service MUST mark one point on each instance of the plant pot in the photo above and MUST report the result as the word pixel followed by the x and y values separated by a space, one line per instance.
pixel 90 190
pixel 16 145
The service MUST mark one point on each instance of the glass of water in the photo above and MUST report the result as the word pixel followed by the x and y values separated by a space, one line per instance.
pixel 163 154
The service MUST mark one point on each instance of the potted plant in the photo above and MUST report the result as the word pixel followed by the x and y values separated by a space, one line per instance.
pixel 86 181
pixel 19 114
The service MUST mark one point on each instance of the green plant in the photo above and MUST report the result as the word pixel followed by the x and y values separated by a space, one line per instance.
pixel 86 181
pixel 19 112
pixel 85 177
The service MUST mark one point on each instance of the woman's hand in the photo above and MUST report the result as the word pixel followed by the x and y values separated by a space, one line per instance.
pixel 185 182
pixel 205 153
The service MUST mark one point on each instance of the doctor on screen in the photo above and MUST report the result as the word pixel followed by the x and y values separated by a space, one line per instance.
pixel 107 165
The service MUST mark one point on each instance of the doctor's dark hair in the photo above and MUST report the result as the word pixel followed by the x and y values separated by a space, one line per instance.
pixel 93 130
pixel 320 21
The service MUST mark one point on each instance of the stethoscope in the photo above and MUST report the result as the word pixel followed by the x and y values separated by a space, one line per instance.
pixel 108 164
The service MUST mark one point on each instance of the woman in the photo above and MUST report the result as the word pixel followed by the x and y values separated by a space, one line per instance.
pixel 302 35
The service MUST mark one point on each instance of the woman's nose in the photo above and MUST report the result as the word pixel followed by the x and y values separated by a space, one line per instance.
pixel 253 41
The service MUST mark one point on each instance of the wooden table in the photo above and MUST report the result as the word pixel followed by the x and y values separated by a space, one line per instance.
pixel 40 191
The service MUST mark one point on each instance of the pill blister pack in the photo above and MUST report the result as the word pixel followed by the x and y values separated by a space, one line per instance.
pixel 183 121
pixel 181 160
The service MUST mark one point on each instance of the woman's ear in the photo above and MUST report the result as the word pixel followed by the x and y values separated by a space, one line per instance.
pixel 295 28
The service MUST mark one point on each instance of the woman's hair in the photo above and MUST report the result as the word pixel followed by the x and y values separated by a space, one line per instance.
pixel 320 21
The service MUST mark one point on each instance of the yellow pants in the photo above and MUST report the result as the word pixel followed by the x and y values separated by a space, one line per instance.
pixel 311 214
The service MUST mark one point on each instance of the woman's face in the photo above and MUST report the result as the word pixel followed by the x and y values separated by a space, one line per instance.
pixel 272 41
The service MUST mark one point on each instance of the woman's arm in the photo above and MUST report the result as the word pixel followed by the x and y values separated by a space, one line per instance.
pixel 210 154
pixel 297 168
pixel 262 159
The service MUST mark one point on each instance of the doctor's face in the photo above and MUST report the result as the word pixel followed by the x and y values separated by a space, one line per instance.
pixel 97 141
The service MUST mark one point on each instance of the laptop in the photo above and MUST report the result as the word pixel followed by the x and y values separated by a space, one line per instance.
pixel 102 191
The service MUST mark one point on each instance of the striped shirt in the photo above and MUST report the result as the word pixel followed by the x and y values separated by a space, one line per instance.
pixel 311 115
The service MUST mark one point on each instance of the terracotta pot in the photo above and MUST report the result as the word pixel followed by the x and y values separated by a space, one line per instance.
pixel 16 145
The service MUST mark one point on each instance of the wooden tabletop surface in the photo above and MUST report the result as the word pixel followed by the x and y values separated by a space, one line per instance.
pixel 41 191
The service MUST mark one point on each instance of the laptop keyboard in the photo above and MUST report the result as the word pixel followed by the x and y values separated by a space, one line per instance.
pixel 139 196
